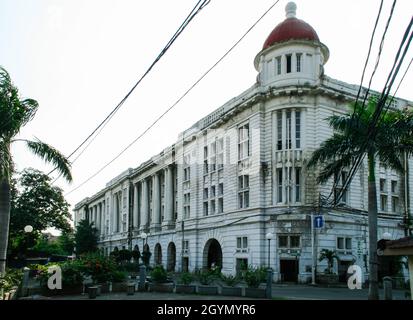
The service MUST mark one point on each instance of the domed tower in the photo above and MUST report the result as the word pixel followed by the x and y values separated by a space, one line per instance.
pixel 292 54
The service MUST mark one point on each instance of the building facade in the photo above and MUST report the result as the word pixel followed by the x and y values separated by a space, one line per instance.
pixel 240 173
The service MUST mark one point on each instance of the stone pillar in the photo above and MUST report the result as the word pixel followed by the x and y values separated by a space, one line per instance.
pixel 103 219
pixel 156 222
pixel 98 215
pixel 169 198
pixel 115 213
pixel 135 207
pixel 144 205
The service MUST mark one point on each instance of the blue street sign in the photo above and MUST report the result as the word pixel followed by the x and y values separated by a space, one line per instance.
pixel 318 222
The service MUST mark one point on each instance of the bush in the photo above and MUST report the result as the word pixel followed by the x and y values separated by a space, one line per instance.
pixel 254 276
pixel 72 273
pixel 12 278
pixel 158 274
pixel 99 267
pixel 185 278
pixel 229 280
pixel 131 267
pixel 117 276
pixel 205 277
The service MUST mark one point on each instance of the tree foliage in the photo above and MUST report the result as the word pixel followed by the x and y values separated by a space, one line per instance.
pixel 36 202
pixel 86 238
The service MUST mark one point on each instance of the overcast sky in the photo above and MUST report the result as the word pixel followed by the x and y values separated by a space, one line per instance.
pixel 78 58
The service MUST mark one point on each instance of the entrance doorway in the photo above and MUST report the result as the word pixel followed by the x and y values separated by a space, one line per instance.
pixel 289 270
pixel 171 257
pixel 212 254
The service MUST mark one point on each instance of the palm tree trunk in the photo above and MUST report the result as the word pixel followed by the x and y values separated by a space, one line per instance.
pixel 4 221
pixel 372 212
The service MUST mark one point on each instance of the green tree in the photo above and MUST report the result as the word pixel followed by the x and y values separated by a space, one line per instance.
pixel 14 114
pixel 67 242
pixel 328 255
pixel 86 238
pixel 392 139
pixel 38 203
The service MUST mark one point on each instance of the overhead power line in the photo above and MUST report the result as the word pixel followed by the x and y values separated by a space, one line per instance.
pixel 173 105
pixel 197 8
pixel 382 104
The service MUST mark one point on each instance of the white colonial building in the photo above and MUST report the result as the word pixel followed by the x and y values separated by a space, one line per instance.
pixel 240 173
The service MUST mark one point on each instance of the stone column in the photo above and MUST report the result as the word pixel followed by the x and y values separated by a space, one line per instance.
pixel 98 215
pixel 169 197
pixel 135 206
pixel 156 222
pixel 144 205
pixel 102 219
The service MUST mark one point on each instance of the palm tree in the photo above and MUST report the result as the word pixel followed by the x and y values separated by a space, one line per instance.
pixel 328 255
pixel 14 114
pixel 393 137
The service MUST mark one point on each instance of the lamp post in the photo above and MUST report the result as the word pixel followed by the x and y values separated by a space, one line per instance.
pixel 268 291
pixel 269 236
pixel 144 237
pixel 28 229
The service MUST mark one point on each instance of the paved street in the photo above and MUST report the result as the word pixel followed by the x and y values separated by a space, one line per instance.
pixel 290 292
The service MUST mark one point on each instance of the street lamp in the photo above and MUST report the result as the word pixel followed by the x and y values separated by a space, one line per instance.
pixel 28 229
pixel 269 236
pixel 144 236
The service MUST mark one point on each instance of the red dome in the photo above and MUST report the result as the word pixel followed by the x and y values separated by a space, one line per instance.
pixel 291 28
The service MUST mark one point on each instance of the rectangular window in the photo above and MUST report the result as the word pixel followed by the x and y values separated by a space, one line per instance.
pixel 279 185
pixel 394 186
pixel 283 241
pixel 278 65
pixel 220 189
pixel 344 243
pixel 348 244
pixel 279 130
pixel 394 204
pixel 340 243
pixel 212 206
pixel 220 205
pixel 294 241
pixel 288 62
pixel 297 184
pixel 298 129
pixel 205 208
pixel 212 192
pixel 288 144
pixel 243 142
pixel 213 159
pixel 383 202
pixel 339 180
pixel 220 153
pixel 242 244
pixel 187 201
pixel 298 58
pixel 205 193
pixel 383 187
pixel 243 191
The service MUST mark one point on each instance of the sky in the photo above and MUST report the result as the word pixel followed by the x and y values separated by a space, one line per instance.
pixel 79 58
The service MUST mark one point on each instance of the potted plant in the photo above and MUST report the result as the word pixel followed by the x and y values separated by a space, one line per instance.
pixel 184 283
pixel 159 280
pixel 253 278
pixel 118 281
pixel 206 278
pixel 328 277
pixel 230 288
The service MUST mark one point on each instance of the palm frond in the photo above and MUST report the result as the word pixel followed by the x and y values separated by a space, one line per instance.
pixel 51 155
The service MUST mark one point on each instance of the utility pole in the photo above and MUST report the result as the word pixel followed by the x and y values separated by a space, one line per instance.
pixel 406 197
pixel 182 245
